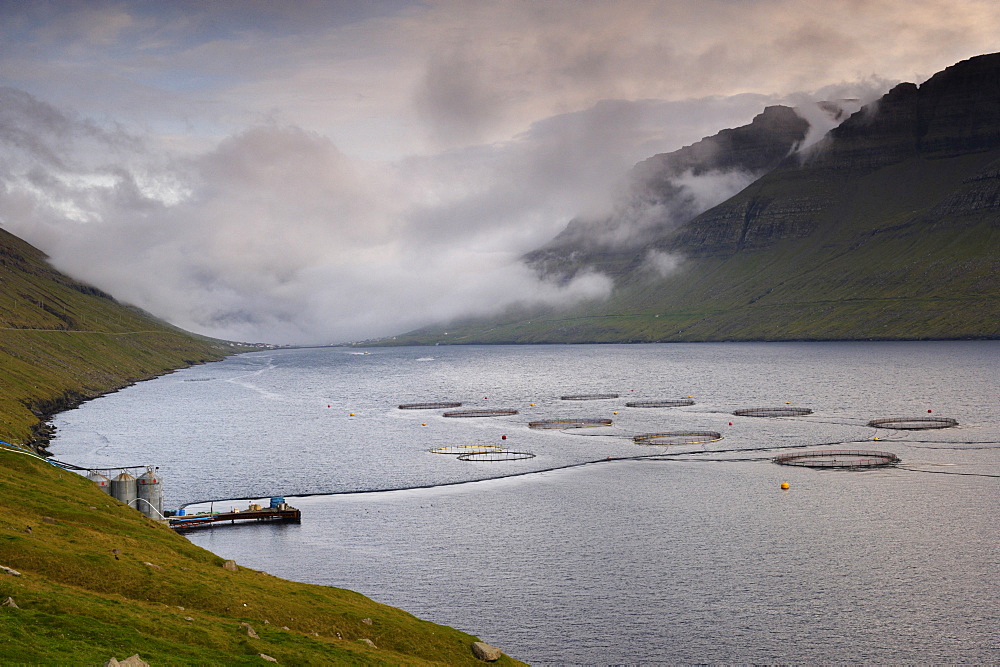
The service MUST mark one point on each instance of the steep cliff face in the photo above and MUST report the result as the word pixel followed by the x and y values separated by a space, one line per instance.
pixel 953 113
pixel 878 135
pixel 897 147
pixel 959 109
pixel 755 148
pixel 659 195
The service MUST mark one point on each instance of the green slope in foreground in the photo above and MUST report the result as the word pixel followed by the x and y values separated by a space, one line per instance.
pixel 98 579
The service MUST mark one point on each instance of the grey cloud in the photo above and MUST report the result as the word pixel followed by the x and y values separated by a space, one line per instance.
pixel 489 65
pixel 33 128
pixel 536 110
pixel 661 264
pixel 832 104
pixel 276 235
pixel 380 77
pixel 457 100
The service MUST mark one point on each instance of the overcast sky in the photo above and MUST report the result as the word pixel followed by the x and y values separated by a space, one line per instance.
pixel 330 171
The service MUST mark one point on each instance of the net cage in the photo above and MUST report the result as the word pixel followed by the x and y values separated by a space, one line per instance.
pixel 677 438
pixel 786 411
pixel 587 397
pixel 442 405
pixel 841 458
pixel 465 449
pixel 489 412
pixel 502 455
pixel 913 423
pixel 569 423
pixel 662 403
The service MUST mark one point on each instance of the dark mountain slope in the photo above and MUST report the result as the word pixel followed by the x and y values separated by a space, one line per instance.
pixel 955 115
pixel 657 199
pixel 890 230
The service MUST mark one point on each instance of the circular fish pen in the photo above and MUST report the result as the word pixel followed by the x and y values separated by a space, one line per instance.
pixel 588 397
pixel 569 423
pixel 773 412
pixel 914 423
pixel 493 412
pixel 465 449
pixel 844 458
pixel 429 406
pixel 677 438
pixel 666 403
pixel 502 455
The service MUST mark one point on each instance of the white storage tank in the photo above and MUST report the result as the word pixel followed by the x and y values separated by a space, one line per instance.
pixel 102 482
pixel 123 488
pixel 149 491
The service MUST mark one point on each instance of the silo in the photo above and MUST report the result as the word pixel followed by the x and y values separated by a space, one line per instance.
pixel 123 489
pixel 102 482
pixel 150 494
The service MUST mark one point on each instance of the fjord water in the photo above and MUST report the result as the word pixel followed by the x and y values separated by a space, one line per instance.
pixel 586 554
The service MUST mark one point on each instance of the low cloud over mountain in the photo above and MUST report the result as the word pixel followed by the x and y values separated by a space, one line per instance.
pixel 328 171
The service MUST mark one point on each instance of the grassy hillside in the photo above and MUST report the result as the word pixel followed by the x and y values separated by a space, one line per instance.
pixel 62 341
pixel 99 579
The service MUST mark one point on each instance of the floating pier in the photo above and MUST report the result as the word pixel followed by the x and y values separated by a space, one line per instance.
pixel 279 511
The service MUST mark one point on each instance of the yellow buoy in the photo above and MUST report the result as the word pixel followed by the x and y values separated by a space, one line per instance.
pixel 615 412
pixel 424 424
pixel 532 404
pixel 875 438
pixel 352 414
pixel 785 485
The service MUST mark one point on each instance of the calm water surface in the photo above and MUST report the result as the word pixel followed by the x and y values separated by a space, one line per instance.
pixel 693 556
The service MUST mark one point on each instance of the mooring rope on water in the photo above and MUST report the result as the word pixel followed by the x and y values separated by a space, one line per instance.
pixel 945 472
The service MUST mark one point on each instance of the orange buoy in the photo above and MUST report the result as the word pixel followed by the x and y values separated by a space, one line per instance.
pixel 785 486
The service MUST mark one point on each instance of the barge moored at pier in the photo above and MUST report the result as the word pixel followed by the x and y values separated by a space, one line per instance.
pixel 279 511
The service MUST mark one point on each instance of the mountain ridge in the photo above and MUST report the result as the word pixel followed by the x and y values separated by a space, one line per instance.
pixel 887 229
pixel 656 187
